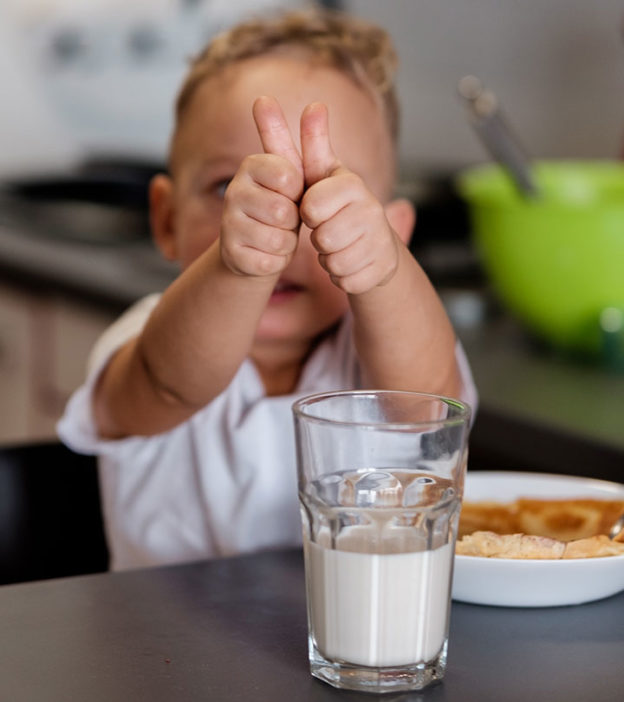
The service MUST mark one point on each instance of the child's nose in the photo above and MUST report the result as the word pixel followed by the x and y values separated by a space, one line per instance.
pixel 304 251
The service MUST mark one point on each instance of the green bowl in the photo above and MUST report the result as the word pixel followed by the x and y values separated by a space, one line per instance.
pixel 556 262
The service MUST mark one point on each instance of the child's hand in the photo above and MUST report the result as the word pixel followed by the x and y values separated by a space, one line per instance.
pixel 356 244
pixel 260 222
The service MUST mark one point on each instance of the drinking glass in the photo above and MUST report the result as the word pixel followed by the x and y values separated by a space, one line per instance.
pixel 380 485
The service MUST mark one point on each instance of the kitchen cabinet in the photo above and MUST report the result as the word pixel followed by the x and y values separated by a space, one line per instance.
pixel 15 310
pixel 45 340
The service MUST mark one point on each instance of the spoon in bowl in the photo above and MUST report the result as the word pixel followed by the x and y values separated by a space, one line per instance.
pixel 496 135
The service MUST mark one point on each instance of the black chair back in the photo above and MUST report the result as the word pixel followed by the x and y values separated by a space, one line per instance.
pixel 50 516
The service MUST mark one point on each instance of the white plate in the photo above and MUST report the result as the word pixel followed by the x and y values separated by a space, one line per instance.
pixel 508 582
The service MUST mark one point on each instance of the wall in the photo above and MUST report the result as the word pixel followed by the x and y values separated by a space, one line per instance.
pixel 99 77
pixel 556 65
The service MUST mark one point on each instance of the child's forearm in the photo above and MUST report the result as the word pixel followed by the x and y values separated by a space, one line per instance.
pixel 190 349
pixel 403 336
pixel 202 329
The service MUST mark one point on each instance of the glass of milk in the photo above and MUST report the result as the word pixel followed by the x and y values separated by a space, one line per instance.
pixel 380 485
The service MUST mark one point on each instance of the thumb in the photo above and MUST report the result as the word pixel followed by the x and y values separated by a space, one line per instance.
pixel 273 130
pixel 319 160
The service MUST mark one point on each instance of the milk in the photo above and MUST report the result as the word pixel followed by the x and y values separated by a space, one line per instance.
pixel 376 609
pixel 379 552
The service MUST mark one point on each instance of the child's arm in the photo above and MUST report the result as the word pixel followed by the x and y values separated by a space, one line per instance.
pixel 402 333
pixel 203 327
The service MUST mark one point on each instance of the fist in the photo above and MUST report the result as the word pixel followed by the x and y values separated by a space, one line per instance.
pixel 355 243
pixel 261 220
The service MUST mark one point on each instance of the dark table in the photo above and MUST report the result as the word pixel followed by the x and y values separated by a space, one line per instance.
pixel 235 629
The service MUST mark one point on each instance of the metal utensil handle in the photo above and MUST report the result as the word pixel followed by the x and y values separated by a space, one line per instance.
pixel 496 135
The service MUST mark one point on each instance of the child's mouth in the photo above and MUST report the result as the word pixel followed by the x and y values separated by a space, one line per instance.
pixel 284 290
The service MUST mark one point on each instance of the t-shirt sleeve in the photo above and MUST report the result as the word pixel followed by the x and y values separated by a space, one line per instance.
pixel 77 428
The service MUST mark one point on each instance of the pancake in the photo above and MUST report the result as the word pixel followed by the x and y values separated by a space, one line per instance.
pixel 535 528
pixel 562 519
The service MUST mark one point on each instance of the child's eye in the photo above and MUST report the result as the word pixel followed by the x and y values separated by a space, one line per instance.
pixel 220 187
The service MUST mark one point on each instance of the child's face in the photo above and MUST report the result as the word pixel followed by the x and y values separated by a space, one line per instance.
pixel 218 131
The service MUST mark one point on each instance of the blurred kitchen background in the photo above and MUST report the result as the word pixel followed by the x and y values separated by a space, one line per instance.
pixel 85 116
pixel 83 78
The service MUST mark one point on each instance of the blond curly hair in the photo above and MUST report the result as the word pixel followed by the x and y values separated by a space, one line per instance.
pixel 360 50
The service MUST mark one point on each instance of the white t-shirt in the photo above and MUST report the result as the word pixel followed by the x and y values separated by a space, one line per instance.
pixel 223 482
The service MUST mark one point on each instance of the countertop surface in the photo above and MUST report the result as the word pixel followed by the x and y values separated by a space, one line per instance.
pixel 114 275
pixel 235 629
pixel 523 381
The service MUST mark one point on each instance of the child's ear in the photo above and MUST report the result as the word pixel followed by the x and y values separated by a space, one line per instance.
pixel 161 212
pixel 402 217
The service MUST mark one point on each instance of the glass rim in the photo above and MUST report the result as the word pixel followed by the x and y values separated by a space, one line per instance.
pixel 464 415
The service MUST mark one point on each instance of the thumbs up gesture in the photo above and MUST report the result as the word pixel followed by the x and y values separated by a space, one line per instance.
pixel 260 222
pixel 274 192
pixel 354 240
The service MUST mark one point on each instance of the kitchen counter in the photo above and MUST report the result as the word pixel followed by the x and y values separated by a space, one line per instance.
pixel 113 275
pixel 540 411
pixel 518 379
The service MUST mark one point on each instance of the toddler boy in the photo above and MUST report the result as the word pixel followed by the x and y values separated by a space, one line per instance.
pixel 295 278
